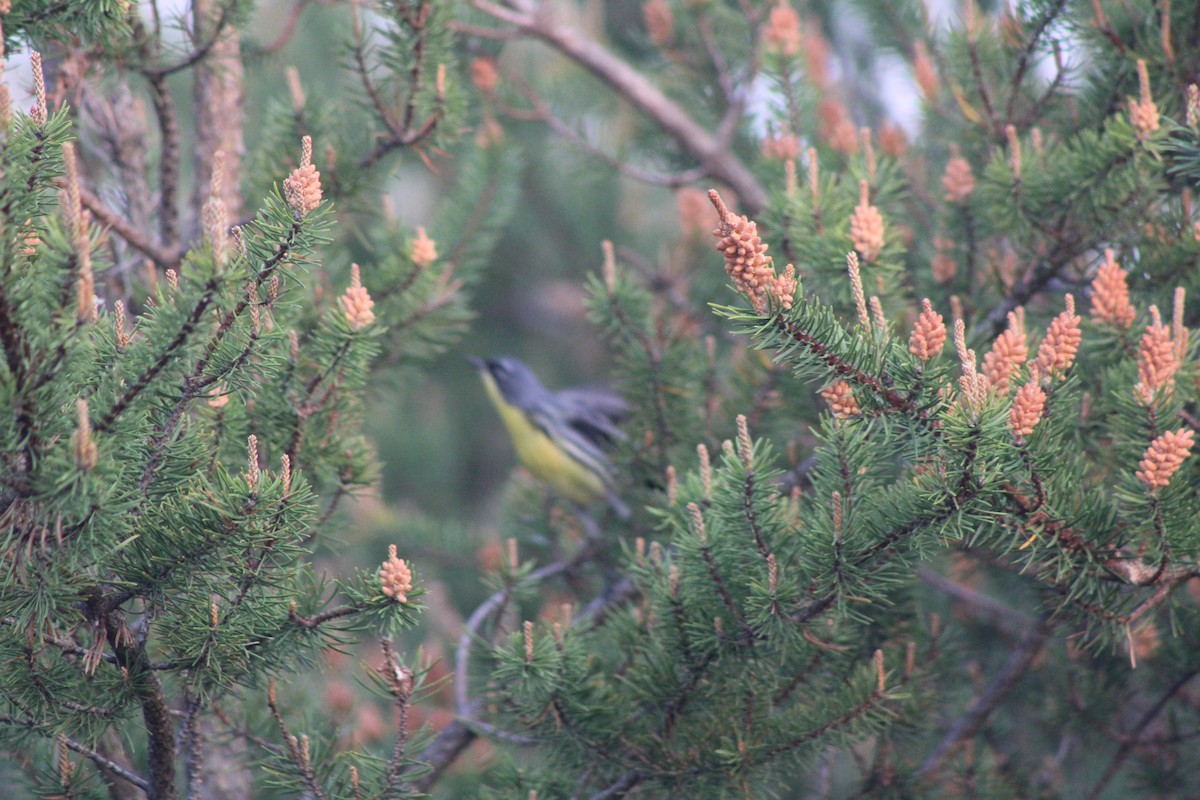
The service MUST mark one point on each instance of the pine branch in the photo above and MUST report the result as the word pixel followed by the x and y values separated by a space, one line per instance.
pixel 399 681
pixel 104 763
pixel 654 359
pixel 1134 737
pixel 53 698
pixel 749 488
pixel 713 154
pixel 163 259
pixel 192 383
pixel 317 620
pixel 440 754
pixel 168 165
pixel 156 713
pixel 881 386
pixel 456 737
pixel 997 128
pixel 543 112
pixel 979 607
pixel 297 748
pixel 620 787
pixel 16 352
pixel 199 53
pixel 976 716
pixel 286 31
pixel 405 132
pixel 207 296
pixel 841 721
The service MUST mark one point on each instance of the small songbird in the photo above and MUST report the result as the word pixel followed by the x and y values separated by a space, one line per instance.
pixel 559 436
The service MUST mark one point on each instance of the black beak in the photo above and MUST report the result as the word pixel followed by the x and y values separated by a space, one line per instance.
pixel 478 363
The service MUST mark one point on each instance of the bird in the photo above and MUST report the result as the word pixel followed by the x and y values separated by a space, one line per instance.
pixel 559 436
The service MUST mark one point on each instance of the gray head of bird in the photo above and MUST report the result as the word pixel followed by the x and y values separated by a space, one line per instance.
pixel 515 381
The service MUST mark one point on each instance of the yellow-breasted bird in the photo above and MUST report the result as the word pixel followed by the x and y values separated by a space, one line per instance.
pixel 559 436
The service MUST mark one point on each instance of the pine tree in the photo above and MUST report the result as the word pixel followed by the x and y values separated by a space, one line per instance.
pixel 184 396
pixel 908 441
pixel 780 623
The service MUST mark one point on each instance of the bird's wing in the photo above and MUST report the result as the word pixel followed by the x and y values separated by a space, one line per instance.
pixel 593 412
pixel 579 446
pixel 586 419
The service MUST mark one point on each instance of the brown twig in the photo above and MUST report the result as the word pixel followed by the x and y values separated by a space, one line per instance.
pixel 168 353
pixel 484 32
pixel 1133 738
pixel 316 620
pixel 1023 61
pixel 620 787
pixel 458 735
pixel 195 56
pixel 857 712
pixel 638 91
pixel 297 748
pixel 1043 272
pixel 406 132
pixel 1019 661
pixel 218 98
pixel 162 257
pixel 543 113
pixel 982 608
pixel 168 162
pixel 399 680
pixel 980 85
pixel 105 764
pixel 286 31
pixel 880 386
pixel 156 714
pixel 416 73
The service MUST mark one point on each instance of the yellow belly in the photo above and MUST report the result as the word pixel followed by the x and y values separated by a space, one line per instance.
pixel 543 458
